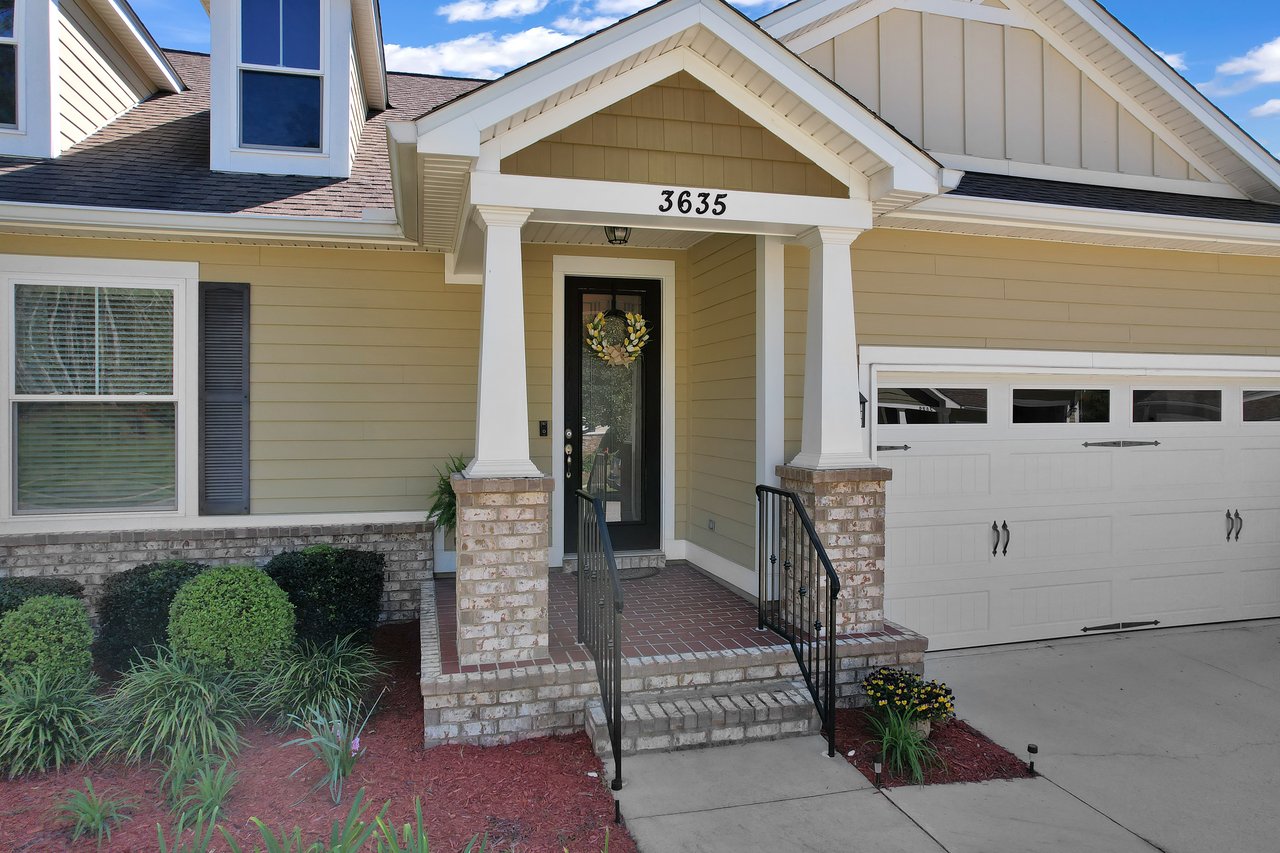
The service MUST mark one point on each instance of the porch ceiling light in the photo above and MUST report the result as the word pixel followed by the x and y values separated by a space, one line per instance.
pixel 617 234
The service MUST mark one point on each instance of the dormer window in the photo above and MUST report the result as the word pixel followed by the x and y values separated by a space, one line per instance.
pixel 8 65
pixel 281 74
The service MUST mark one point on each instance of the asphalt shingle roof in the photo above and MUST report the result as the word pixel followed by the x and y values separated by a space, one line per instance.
pixel 156 157
pixel 1009 188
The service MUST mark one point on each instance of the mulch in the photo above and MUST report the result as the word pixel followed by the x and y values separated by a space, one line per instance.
pixel 528 797
pixel 969 755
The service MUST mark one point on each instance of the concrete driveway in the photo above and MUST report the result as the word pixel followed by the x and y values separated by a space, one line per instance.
pixel 1171 735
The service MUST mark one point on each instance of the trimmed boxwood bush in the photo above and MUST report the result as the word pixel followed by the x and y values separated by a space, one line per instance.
pixel 48 634
pixel 232 617
pixel 134 609
pixel 14 591
pixel 335 592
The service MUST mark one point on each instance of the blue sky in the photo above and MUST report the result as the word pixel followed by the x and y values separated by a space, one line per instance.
pixel 1230 48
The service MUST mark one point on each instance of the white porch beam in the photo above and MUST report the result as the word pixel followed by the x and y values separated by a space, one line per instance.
pixel 581 202
pixel 832 435
pixel 770 358
pixel 502 396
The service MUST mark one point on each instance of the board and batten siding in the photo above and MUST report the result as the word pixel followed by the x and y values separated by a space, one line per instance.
pixel 943 290
pixel 997 92
pixel 675 132
pixel 722 396
pixel 97 81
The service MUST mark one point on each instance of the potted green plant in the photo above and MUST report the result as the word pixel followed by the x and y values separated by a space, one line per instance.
pixel 444 512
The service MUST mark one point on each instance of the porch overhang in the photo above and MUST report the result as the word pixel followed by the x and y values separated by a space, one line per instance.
pixel 460 146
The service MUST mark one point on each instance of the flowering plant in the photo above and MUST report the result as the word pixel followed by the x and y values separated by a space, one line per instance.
pixel 333 736
pixel 624 352
pixel 905 693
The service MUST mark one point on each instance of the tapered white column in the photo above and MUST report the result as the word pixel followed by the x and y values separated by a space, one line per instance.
pixel 832 435
pixel 502 396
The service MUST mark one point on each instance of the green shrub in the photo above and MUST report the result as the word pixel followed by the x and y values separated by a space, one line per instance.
pixel 334 592
pixel 93 814
pixel 170 703
pixel 307 676
pixel 46 721
pixel 48 633
pixel 14 591
pixel 233 617
pixel 134 609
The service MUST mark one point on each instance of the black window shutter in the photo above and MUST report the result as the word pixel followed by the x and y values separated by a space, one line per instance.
pixel 224 398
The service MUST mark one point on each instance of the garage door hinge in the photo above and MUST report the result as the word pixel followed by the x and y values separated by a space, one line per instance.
pixel 1120 626
pixel 880 447
pixel 1122 444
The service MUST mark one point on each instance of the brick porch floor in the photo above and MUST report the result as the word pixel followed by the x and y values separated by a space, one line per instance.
pixel 676 611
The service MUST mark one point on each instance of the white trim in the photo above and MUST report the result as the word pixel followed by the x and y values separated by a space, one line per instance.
pixel 183 279
pixel 1086 220
pixel 614 267
pixel 130 29
pixel 452 276
pixel 770 359
pixel 35 33
pixel 61 218
pixel 858 16
pixel 1086 176
pixel 964 360
pixel 713 564
pixel 111 522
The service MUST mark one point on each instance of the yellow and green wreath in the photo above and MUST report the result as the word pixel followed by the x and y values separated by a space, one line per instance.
pixel 622 353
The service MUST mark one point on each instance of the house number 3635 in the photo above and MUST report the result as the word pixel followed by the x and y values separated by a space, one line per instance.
pixel 688 201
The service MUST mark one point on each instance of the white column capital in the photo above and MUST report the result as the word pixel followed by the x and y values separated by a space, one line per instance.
pixel 492 214
pixel 823 235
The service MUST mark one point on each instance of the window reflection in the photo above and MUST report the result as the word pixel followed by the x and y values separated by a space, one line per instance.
pixel 1061 406
pixel 932 405
pixel 1262 405
pixel 1172 405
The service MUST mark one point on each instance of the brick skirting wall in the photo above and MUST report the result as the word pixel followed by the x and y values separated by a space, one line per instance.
pixel 90 557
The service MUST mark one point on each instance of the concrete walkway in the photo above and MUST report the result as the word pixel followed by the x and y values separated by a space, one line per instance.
pixel 1164 741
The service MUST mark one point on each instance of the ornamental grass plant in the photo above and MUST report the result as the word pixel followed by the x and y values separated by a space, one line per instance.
pixel 310 676
pixel 93 814
pixel 47 721
pixel 333 736
pixel 906 750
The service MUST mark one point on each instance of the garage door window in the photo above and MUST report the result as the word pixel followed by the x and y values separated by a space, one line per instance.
pixel 1061 406
pixel 1262 405
pixel 1170 405
pixel 932 405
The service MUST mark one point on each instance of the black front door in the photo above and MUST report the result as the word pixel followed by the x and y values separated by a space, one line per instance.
pixel 612 443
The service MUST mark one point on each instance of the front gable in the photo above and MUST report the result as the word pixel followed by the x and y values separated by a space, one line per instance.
pixel 1021 87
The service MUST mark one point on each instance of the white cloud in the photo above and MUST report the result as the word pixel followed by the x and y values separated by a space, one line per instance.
pixel 1256 68
pixel 582 26
pixel 479 10
pixel 478 55
pixel 1178 61
pixel 1270 108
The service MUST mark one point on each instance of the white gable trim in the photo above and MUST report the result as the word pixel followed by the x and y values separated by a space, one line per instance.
pixel 857 14
pixel 990 165
pixel 125 24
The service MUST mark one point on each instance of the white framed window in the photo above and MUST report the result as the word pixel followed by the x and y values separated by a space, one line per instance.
pixel 99 391
pixel 280 75
pixel 9 65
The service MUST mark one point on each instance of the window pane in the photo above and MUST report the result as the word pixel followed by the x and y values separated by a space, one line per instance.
pixel 280 109
pixel 302 34
pixel 1061 406
pixel 260 32
pixel 1171 405
pixel 93 340
pixel 933 405
pixel 8 84
pixel 6 19
pixel 1262 405
pixel 91 457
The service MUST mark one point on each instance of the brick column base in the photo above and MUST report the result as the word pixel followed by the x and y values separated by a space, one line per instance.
pixel 847 508
pixel 503 535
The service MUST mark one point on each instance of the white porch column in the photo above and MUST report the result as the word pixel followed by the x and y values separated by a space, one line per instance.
pixel 832 436
pixel 770 358
pixel 502 396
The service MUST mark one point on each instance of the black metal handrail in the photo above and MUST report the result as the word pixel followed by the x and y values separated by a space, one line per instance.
pixel 600 615
pixel 798 590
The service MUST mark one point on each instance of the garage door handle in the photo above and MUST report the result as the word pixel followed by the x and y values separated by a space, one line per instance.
pixel 1239 525
pixel 995 549
pixel 1005 527
pixel 1231 525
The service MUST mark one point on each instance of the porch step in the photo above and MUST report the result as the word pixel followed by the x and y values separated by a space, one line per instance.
pixel 627 560
pixel 652 723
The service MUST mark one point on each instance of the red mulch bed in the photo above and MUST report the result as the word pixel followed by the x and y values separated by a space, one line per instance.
pixel 970 755
pixel 528 797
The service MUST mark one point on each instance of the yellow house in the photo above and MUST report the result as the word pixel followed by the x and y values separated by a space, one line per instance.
pixel 985 291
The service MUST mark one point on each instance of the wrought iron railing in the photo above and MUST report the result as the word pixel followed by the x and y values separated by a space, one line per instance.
pixel 797 596
pixel 600 615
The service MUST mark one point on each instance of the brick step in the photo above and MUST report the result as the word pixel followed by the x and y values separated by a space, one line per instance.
pixel 659 723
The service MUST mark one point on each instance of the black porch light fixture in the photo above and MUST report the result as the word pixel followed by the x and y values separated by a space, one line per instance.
pixel 618 235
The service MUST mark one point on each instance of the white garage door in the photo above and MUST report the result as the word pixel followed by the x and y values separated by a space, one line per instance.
pixel 1030 507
